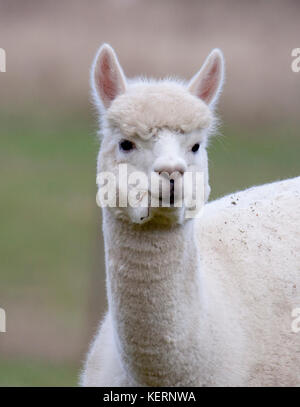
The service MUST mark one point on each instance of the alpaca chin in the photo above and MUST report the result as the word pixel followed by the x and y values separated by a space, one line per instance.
pixel 141 215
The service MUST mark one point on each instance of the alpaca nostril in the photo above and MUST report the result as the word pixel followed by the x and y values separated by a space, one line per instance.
pixel 173 167
pixel 171 171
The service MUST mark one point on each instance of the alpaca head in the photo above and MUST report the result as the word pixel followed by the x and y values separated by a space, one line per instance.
pixel 157 129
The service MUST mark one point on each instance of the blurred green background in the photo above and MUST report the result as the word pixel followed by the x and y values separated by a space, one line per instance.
pixel 52 282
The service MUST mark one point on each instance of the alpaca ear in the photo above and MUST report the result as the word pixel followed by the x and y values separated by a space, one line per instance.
pixel 108 80
pixel 207 82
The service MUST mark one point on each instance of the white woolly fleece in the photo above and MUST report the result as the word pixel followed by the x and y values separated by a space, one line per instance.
pixel 147 106
pixel 209 310
pixel 200 302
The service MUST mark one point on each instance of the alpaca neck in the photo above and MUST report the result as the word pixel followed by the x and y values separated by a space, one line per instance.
pixel 155 296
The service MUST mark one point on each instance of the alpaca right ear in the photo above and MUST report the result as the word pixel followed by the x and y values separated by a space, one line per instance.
pixel 108 80
pixel 207 83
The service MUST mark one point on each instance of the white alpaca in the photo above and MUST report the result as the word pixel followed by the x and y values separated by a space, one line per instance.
pixel 197 302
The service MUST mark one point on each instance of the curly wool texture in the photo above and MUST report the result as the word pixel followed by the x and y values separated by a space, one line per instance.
pixel 148 106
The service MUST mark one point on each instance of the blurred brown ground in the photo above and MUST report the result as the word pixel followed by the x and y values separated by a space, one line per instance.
pixel 50 47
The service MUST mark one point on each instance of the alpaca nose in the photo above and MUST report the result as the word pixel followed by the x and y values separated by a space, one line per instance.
pixel 170 165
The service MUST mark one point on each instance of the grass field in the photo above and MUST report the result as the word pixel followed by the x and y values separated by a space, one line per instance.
pixel 37 373
pixel 50 232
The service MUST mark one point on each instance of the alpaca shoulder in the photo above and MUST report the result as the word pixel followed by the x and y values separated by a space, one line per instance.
pixel 271 209
pixel 102 367
pixel 250 240
pixel 249 246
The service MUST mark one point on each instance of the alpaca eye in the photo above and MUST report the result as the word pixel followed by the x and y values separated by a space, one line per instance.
pixel 126 145
pixel 195 147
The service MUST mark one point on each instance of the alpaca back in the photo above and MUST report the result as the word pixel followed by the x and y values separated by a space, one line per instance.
pixel 251 241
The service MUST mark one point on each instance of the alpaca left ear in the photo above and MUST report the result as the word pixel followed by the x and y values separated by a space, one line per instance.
pixel 108 80
pixel 207 83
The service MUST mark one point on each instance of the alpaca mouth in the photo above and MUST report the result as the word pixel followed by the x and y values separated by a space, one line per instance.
pixel 172 192
pixel 170 198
